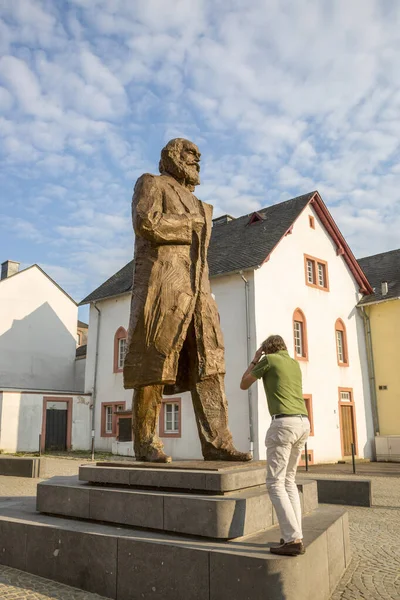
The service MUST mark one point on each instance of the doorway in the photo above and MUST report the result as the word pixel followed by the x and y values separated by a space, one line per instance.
pixel 56 424
pixel 347 418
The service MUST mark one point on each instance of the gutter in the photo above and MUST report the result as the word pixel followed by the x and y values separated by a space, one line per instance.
pixel 84 302
pixel 249 392
pixel 235 272
pixel 371 371
pixel 94 393
pixel 378 301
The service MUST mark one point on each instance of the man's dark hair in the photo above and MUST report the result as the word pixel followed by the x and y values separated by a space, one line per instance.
pixel 273 343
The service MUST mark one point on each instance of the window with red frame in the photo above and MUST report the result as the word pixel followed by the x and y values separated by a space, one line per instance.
pixel 109 416
pixel 300 335
pixel 341 344
pixel 119 349
pixel 316 271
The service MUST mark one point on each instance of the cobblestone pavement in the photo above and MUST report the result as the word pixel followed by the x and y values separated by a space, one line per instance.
pixel 374 572
pixel 16 585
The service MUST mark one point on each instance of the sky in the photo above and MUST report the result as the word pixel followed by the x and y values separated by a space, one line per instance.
pixel 282 97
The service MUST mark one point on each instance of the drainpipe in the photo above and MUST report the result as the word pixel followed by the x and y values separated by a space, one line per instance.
pixel 94 393
pixel 249 393
pixel 371 371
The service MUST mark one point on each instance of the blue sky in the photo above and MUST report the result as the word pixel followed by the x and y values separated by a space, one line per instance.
pixel 282 97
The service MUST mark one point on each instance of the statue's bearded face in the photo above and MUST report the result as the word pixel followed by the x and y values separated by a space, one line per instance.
pixel 190 163
pixel 182 161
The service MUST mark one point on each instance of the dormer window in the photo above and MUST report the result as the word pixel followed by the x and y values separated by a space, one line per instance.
pixel 255 218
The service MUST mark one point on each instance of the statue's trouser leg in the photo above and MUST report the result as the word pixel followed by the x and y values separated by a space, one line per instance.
pixel 146 409
pixel 211 410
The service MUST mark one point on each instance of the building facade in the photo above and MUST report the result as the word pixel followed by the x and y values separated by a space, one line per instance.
pixel 381 311
pixel 285 269
pixel 41 382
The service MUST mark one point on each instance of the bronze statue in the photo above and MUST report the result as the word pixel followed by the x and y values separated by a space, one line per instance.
pixel 175 342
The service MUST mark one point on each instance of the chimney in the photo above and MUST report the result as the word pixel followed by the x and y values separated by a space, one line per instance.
pixel 384 288
pixel 8 268
pixel 222 220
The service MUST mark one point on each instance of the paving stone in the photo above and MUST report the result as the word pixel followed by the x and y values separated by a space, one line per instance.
pixel 373 572
pixel 17 585
pixel 374 535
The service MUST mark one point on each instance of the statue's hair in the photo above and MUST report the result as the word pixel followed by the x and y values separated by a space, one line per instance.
pixel 273 343
pixel 170 154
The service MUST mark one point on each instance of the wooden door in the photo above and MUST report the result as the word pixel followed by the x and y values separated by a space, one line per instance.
pixel 56 429
pixel 347 425
pixel 124 429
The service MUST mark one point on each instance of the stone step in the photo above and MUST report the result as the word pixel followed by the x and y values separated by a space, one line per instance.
pixel 228 516
pixel 127 564
pixel 207 477
pixel 18 466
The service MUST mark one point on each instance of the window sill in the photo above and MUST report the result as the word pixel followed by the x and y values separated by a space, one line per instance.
pixel 302 358
pixel 317 287
pixel 170 435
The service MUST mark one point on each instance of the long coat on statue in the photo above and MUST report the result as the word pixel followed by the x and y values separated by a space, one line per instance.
pixel 174 334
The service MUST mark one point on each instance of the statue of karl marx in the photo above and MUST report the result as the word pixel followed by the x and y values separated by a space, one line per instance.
pixel 175 342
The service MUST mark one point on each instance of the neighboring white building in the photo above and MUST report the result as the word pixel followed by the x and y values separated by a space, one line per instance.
pixel 285 269
pixel 62 420
pixel 38 367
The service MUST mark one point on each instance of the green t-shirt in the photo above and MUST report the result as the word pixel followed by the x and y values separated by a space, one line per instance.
pixel 282 383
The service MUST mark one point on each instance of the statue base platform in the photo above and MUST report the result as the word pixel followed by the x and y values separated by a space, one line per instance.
pixel 123 563
pixel 218 502
pixel 200 531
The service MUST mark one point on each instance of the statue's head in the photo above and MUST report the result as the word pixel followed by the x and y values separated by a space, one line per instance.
pixel 181 159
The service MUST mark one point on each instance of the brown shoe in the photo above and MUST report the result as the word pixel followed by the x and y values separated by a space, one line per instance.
pixel 230 454
pixel 289 549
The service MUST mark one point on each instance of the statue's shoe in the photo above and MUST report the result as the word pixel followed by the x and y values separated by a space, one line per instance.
pixel 155 456
pixel 228 454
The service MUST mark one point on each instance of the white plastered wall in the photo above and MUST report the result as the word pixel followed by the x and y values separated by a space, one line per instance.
pixel 37 333
pixel 21 417
pixel 280 289
pixel 109 386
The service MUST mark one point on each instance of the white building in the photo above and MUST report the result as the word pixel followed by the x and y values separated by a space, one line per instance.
pixel 41 382
pixel 285 269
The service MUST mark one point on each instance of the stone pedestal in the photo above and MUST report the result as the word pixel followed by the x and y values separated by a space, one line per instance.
pixel 191 532
pixel 213 500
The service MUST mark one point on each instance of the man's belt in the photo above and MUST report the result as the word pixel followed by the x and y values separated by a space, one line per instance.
pixel 282 416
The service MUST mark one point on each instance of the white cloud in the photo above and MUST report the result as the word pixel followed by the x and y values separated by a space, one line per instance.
pixel 22 228
pixel 26 87
pixel 283 97
pixel 6 100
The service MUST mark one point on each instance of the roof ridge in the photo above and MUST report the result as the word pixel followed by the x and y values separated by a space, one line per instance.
pixel 261 210
pixel 289 200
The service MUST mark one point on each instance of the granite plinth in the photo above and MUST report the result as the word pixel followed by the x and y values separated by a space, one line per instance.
pixel 350 492
pixel 217 516
pixel 210 477
pixel 18 466
pixel 130 564
pixel 191 465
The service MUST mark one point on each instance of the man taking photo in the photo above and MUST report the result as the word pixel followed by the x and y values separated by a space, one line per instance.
pixel 285 437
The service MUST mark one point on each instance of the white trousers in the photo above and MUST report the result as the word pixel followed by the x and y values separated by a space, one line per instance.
pixel 285 440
